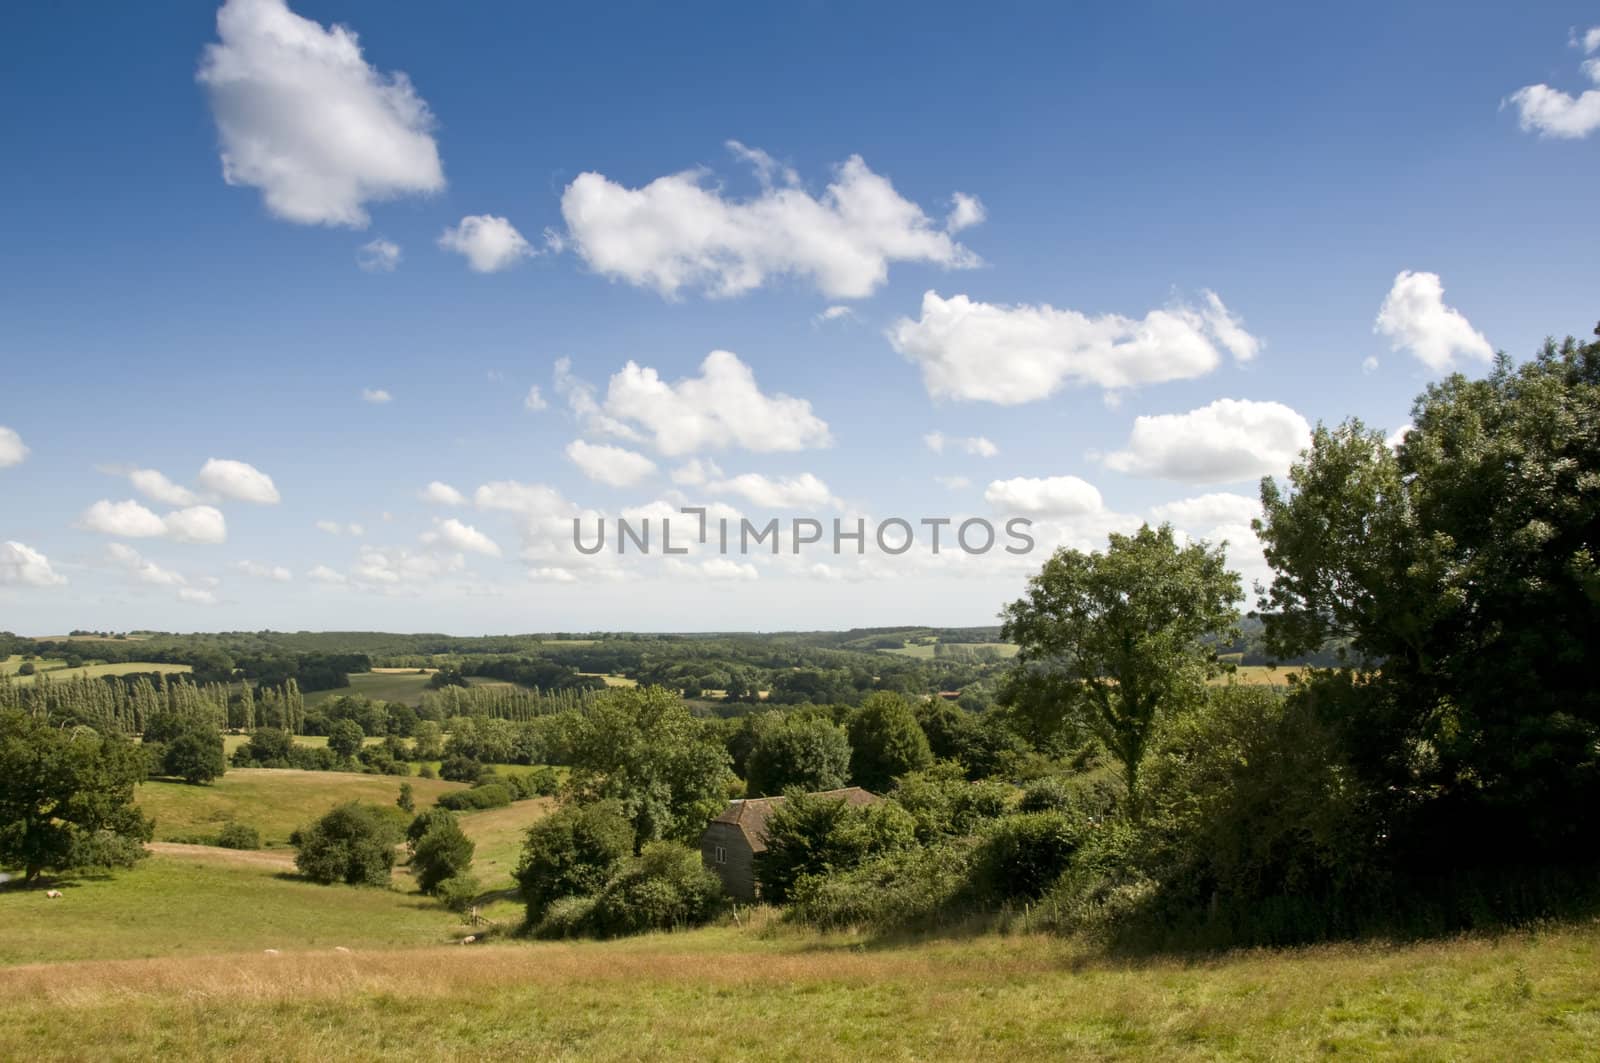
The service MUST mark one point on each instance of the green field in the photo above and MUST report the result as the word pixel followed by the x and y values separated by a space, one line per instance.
pixel 274 801
pixel 401 685
pixel 498 834
pixel 58 671
pixel 925 651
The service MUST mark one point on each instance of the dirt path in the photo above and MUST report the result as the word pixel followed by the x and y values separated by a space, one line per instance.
pixel 273 860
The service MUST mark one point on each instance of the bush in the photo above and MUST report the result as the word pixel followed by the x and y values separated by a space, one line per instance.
pixel 427 772
pixel 572 853
pixel 345 738
pixel 1049 794
pixel 885 742
pixel 901 889
pixel 812 834
pixel 666 887
pixel 442 852
pixel 494 795
pixel 798 752
pixel 424 822
pixel 238 836
pixel 565 917
pixel 268 746
pixel 353 843
pixel 458 768
pixel 1022 856
pixel 194 753
pixel 546 781
pixel 945 805
pixel 458 893
pixel 406 802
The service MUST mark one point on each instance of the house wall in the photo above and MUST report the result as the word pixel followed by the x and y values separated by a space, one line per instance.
pixel 738 873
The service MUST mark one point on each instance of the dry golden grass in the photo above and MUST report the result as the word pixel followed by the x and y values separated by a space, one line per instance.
pixel 724 993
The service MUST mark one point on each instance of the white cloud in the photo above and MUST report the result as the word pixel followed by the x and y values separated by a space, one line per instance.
pixel 23 566
pixel 952 483
pixel 721 407
pixel 1055 495
pixel 965 212
pixel 718 569
pixel 1553 113
pixel 12 449
pixel 1209 510
pixel 978 446
pixel 488 243
pixel 1415 319
pixel 442 494
pixel 378 256
pixel 304 118
pixel 1224 442
pixel 275 573
pixel 514 497
pixel 612 466
pixel 695 472
pixel 534 400
pixel 376 396
pixel 235 479
pixel 144 570
pixel 681 231
pixel 1398 436
pixel 155 486
pixel 1369 364
pixel 552 574
pixel 196 596
pixel 805 491
pixel 835 313
pixel 324 574
pixel 1013 354
pixel 333 527
pixel 459 536
pixel 129 520
pixel 395 568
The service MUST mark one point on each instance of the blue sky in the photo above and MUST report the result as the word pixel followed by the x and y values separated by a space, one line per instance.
pixel 1230 224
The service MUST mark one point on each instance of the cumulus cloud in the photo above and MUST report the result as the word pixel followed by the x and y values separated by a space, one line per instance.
pixel 324 574
pixel 333 527
pixel 1224 442
pixel 378 256
pixel 952 483
pixel 275 573
pixel 1013 354
pixel 1369 364
pixel 805 491
pixel 534 400
pixel 683 232
pixel 304 118
pixel 488 243
pixel 395 568
pixel 1415 319
pixel 965 212
pixel 237 480
pixel 722 407
pixel 1055 495
pixel 196 596
pixel 978 446
pixel 442 494
pixel 514 497
pixel 144 570
pixel 695 472
pixel 129 520
pixel 717 569
pixel 1551 112
pixel 835 313
pixel 155 486
pixel 1209 510
pixel 12 449
pixel 23 566
pixel 376 396
pixel 612 466
pixel 458 536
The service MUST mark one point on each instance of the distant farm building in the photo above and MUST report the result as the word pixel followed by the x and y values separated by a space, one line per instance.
pixel 732 840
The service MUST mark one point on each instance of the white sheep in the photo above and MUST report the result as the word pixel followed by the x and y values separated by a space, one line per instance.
pixel 53 894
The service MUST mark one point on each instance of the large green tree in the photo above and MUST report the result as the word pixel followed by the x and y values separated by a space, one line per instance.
pixel 798 752
pixel 1123 634
pixel 886 741
pixel 641 747
pixel 66 798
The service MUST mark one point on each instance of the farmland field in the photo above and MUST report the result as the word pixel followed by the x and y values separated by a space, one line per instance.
pixel 403 685
pixel 274 801
pixel 927 651
pixel 57 673
pixel 498 834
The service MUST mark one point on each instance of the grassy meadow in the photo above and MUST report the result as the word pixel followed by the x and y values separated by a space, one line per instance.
pixel 403 685
pixel 498 834
pixel 58 670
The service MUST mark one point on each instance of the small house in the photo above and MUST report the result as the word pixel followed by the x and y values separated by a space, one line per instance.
pixel 732 840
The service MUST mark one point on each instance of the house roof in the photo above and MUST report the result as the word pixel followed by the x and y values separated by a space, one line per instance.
pixel 750 815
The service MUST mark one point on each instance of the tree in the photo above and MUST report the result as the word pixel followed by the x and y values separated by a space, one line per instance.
pixel 1123 630
pixel 441 853
pixel 572 853
pixel 813 834
pixel 345 738
pixel 886 741
pixel 353 843
pixel 427 741
pixel 406 802
pixel 641 747
pixel 66 798
pixel 194 754
pixel 798 752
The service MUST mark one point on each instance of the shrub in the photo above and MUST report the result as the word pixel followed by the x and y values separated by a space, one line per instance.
pixel 1022 856
pixel 458 768
pixel 494 795
pixel 238 836
pixel 565 917
pixel 666 887
pixel 267 746
pixel 546 781
pixel 194 753
pixel 352 843
pixel 1049 794
pixel 424 822
pixel 427 772
pixel 406 802
pixel 945 805
pixel 886 741
pixel 812 834
pixel 345 738
pixel 442 852
pixel 571 853
pixel 458 893
pixel 798 752
pixel 899 889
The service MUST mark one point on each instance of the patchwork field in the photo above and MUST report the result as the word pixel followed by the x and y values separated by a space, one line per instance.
pixel 274 801
pixel 404 685
pixel 57 670
pixel 926 651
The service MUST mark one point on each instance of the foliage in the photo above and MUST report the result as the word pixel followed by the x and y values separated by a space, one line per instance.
pixel 194 753
pixel 666 887
pixel 1122 632
pixel 944 805
pixel 238 836
pixel 885 741
pixel 406 802
pixel 493 795
pixel 459 768
pixel 641 747
pixel 897 889
pixel 572 852
pixel 1021 856
pixel 458 893
pixel 66 798
pixel 441 853
pixel 345 738
pixel 816 834
pixel 798 752
pixel 353 843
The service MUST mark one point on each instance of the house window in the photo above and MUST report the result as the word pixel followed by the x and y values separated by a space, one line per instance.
pixel 722 855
